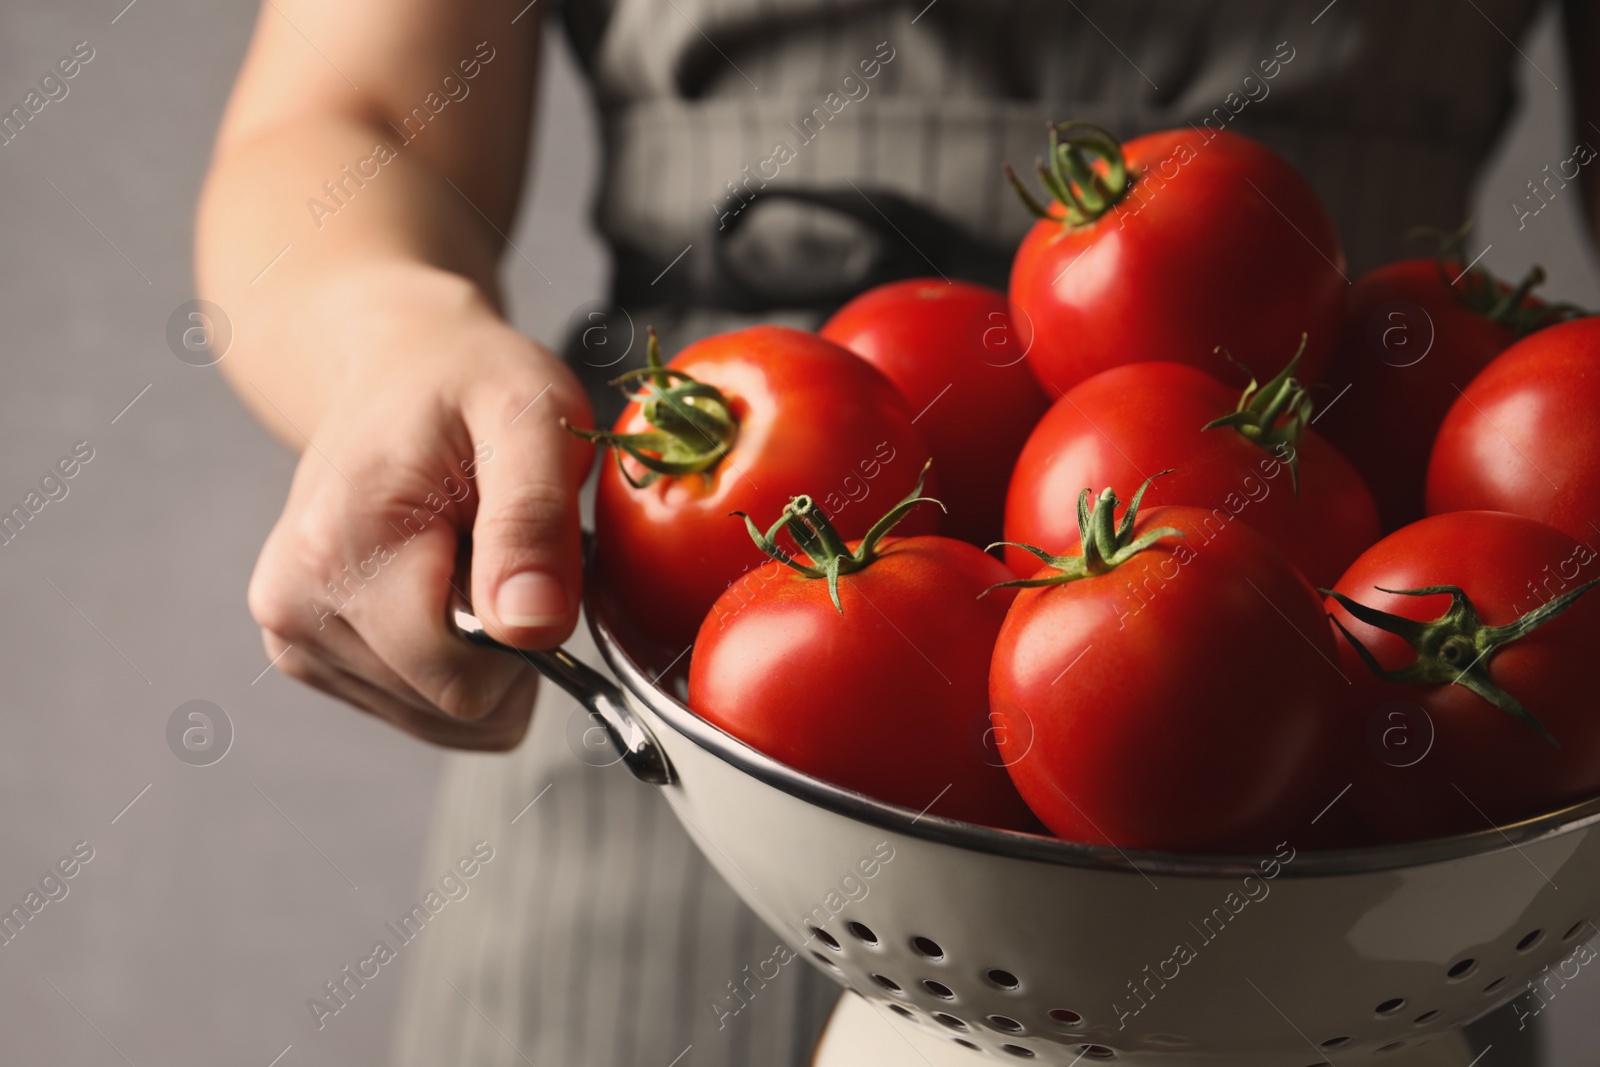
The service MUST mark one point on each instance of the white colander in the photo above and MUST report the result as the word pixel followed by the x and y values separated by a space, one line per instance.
pixel 1031 948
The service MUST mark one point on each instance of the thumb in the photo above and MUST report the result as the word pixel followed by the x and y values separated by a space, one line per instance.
pixel 527 553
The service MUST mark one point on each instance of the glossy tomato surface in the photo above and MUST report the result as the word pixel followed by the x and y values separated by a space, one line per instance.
pixel 1410 341
pixel 889 697
pixel 1219 241
pixel 1431 760
pixel 950 349
pixel 1524 435
pixel 812 418
pixel 1182 700
pixel 1128 423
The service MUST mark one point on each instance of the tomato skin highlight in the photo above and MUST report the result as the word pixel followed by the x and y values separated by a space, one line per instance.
pixel 1403 370
pixel 812 417
pixel 950 348
pixel 1191 258
pixel 889 698
pixel 1483 768
pixel 1167 704
pixel 1523 436
pixel 1129 422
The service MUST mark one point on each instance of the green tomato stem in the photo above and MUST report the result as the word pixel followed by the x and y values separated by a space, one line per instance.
pixel 1482 291
pixel 1105 543
pixel 1457 647
pixel 1068 174
pixel 692 425
pixel 1502 309
pixel 828 553
pixel 1262 407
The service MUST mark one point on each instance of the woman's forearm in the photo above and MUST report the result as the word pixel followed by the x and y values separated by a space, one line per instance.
pixel 291 289
pixel 317 222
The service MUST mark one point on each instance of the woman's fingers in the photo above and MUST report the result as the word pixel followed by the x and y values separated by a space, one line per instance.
pixel 357 581
pixel 404 618
pixel 376 603
pixel 527 552
pixel 501 729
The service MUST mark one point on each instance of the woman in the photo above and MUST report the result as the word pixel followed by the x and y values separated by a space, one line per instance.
pixel 764 159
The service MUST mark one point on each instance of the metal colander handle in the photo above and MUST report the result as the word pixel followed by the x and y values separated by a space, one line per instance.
pixel 634 742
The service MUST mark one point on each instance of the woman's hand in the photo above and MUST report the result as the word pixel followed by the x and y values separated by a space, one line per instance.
pixel 366 334
pixel 440 431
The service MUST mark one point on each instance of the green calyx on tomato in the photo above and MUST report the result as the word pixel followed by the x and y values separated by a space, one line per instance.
pixel 1489 296
pixel 692 424
pixel 1455 648
pixel 1483 296
pixel 1072 180
pixel 830 556
pixel 1105 544
pixel 1262 407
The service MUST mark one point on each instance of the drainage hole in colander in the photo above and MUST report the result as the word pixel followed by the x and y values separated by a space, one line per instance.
pixel 1065 1017
pixel 1530 940
pixel 1096 1052
pixel 826 938
pixel 1003 979
pixel 1461 969
pixel 949 1020
pixel 889 983
pixel 1390 1006
pixel 938 989
pixel 863 933
pixel 1577 928
pixel 1018 1051
pixel 1336 1042
pixel 964 1043
pixel 1393 1046
pixel 1426 1016
pixel 1006 1023
pixel 927 948
pixel 1496 984
pixel 900 1009
pixel 825 961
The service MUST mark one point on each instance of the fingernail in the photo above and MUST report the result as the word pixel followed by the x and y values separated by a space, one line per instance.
pixel 531 598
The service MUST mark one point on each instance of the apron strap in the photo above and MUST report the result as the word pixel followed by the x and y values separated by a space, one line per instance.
pixel 895 238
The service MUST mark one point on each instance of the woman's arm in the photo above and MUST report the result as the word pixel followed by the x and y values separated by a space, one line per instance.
pixel 368 162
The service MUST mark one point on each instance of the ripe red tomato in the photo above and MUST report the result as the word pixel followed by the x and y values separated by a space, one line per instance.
pixel 1176 243
pixel 1172 692
pixel 950 350
pixel 1430 753
pixel 1416 330
pixel 1523 436
pixel 1130 422
pixel 746 420
pixel 878 683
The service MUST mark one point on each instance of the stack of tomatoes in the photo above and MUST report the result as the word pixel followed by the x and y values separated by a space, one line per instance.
pixel 1284 557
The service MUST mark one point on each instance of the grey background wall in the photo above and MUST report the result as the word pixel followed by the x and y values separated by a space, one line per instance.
pixel 201 925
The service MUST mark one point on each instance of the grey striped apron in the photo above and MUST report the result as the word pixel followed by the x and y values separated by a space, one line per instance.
pixel 765 159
